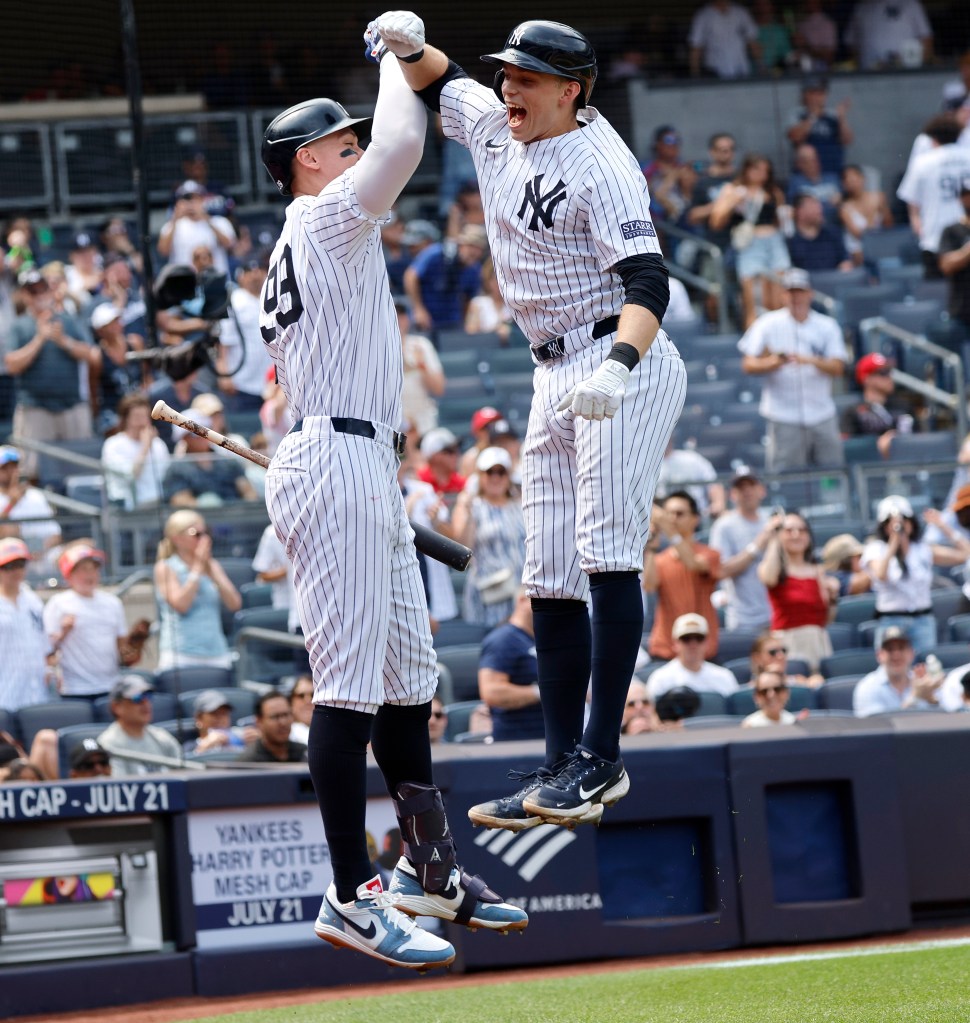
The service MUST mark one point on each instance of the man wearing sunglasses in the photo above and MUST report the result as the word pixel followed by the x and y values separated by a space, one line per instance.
pixel 688 668
pixel 132 731
pixel 771 695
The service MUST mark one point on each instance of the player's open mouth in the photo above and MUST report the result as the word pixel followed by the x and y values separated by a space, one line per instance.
pixel 516 116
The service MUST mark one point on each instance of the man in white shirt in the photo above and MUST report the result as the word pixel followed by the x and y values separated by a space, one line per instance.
pixel 132 731
pixel 25 505
pixel 799 352
pixel 895 684
pixel 931 188
pixel 688 668
pixel 723 38
pixel 887 33
pixel 240 339
pixel 272 566
pixel 191 226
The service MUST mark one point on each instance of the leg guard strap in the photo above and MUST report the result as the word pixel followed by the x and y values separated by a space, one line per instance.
pixel 428 843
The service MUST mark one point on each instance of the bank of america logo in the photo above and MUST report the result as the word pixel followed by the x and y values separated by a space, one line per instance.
pixel 527 851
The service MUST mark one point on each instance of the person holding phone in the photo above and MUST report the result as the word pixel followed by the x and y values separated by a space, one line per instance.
pixel 900 563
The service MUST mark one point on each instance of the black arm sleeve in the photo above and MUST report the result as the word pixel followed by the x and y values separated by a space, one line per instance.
pixel 431 94
pixel 645 282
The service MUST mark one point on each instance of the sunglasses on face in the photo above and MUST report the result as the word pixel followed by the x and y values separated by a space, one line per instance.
pixel 496 471
pixel 141 698
pixel 438 714
pixel 766 690
pixel 197 531
pixel 692 639
pixel 90 765
pixel 776 651
pixel 13 566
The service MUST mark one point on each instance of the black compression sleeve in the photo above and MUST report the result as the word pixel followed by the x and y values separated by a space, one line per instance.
pixel 645 282
pixel 431 94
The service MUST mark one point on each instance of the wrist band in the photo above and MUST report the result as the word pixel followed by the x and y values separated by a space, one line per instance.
pixel 625 355
pixel 413 58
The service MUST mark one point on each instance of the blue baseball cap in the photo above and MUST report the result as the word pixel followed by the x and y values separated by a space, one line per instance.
pixel 8 454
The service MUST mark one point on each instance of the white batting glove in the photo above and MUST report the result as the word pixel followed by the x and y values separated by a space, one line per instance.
pixel 599 396
pixel 402 32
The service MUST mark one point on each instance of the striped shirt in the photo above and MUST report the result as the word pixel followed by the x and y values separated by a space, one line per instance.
pixel 23 666
pixel 560 213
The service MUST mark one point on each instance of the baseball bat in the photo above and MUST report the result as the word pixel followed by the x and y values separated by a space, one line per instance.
pixel 427 541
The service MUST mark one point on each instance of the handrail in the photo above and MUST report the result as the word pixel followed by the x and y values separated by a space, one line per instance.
pixel 716 287
pixel 957 401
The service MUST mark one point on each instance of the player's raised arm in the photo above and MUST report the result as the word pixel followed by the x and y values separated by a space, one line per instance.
pixel 399 129
pixel 421 64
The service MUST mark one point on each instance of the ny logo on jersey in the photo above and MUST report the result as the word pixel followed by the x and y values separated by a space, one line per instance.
pixel 543 206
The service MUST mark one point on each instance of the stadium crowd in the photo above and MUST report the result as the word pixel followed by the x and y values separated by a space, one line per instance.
pixel 752 612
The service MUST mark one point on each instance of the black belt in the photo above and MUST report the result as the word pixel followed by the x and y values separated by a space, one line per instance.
pixel 555 349
pixel 357 427
pixel 903 614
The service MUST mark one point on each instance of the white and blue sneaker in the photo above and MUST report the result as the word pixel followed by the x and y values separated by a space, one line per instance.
pixel 465 900
pixel 579 791
pixel 373 924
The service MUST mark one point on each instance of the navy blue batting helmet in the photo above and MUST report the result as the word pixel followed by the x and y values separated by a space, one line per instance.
pixel 550 47
pixel 297 127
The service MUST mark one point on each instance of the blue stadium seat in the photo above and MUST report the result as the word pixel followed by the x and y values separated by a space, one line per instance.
pixel 713 721
pixel 735 643
pixel 937 446
pixel 457 632
pixel 459 714
pixel 897 241
pixel 855 609
pixel 8 723
pixel 711 704
pixel 951 655
pixel 836 693
pixel 182 680
pixel 957 629
pixel 844 635
pixel 849 662
pixel 256 594
pixel 914 316
pixel 857 304
pixel 54 714
pixel 462 662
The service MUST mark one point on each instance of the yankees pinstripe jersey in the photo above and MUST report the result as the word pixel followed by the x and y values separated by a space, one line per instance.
pixel 23 667
pixel 559 212
pixel 327 316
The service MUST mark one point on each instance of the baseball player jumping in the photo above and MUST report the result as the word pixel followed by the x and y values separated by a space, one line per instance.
pixel 577 258
pixel 329 324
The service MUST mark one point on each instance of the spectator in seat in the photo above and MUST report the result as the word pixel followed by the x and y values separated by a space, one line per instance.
pixel 491 523
pixel 274 745
pixel 113 377
pixel 440 451
pixel 213 720
pixel 814 245
pixel 192 587
pixel 683 576
pixel 199 477
pixel 86 626
pixel 508 675
pixel 88 760
pixel 241 350
pixel 443 278
pixel 723 40
pixel 872 416
pixel 487 311
pixel 954 260
pixel 896 684
pixel 301 704
pixel 900 564
pixel 84 271
pixel 663 168
pixel 808 177
pixel 640 715
pixel 438 721
pixel 132 732
pixel 24 511
pixel 190 225
pixel 771 696
pixel 481 420
pixel 272 566
pixel 799 353
pixel 46 351
pixel 23 664
pixel 826 129
pixel 424 378
pixel 689 668
pixel 770 652
pixel 862 210
pixel 135 458
pixel 740 536
pixel 887 35
pixel 842 559
pixel 802 597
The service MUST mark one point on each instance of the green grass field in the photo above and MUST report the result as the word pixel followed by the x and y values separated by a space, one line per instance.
pixel 921 985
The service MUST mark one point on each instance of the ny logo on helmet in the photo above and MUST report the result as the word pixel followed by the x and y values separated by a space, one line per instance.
pixel 543 206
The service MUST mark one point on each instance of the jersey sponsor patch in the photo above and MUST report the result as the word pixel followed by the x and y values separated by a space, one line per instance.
pixel 638 229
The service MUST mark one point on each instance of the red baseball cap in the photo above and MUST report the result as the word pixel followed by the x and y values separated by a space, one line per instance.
pixel 874 362
pixel 12 549
pixel 485 417
pixel 75 554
